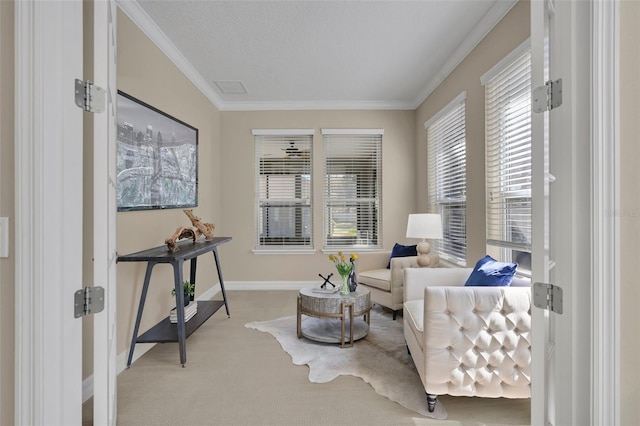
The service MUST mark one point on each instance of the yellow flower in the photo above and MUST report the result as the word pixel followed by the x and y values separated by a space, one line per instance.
pixel 343 266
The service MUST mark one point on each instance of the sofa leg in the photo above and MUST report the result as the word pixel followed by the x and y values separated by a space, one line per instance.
pixel 395 313
pixel 431 402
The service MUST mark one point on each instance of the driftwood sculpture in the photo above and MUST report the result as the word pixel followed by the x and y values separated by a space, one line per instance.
pixel 205 229
pixel 180 234
pixel 199 229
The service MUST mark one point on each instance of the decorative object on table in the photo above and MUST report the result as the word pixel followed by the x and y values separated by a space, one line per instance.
pixel 344 268
pixel 157 158
pixel 353 282
pixel 188 289
pixel 199 229
pixel 181 233
pixel 326 280
pixel 425 226
pixel 189 312
pixel 205 229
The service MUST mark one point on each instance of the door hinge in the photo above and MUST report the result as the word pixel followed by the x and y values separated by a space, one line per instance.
pixel 547 97
pixel 90 97
pixel 547 296
pixel 89 300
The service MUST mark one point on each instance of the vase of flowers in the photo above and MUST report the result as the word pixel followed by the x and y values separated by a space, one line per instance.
pixel 344 267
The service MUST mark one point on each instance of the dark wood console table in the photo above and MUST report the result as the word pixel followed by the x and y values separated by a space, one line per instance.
pixel 165 331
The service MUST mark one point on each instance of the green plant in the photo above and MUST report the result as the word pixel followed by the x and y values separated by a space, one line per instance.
pixel 188 289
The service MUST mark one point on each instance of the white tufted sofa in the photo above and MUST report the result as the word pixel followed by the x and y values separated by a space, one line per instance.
pixel 468 341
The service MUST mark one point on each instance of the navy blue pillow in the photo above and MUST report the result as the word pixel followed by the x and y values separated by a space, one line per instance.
pixel 490 272
pixel 402 251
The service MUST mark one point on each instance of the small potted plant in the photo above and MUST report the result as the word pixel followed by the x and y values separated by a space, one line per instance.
pixel 188 291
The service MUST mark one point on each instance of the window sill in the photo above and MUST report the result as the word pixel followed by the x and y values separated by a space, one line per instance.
pixel 270 251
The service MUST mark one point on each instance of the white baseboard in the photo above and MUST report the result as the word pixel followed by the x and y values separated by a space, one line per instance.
pixel 142 348
pixel 270 285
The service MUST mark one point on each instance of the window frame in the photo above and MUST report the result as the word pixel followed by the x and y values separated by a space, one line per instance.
pixel 447 130
pixel 370 222
pixel 274 140
pixel 506 183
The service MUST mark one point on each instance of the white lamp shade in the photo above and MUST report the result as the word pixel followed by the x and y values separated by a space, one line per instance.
pixel 425 226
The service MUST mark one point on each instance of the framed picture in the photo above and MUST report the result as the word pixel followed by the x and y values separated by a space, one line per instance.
pixel 157 158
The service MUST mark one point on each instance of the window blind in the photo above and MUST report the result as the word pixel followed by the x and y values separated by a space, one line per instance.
pixel 447 185
pixel 283 189
pixel 508 155
pixel 352 187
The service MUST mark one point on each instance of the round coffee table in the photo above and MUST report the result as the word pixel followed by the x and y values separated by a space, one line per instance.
pixel 330 311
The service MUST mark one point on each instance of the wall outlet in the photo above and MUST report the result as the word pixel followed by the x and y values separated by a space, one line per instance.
pixel 4 237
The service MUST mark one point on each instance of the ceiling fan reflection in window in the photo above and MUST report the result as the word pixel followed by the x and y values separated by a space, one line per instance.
pixel 292 151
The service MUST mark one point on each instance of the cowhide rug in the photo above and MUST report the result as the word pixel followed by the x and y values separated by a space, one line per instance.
pixel 380 359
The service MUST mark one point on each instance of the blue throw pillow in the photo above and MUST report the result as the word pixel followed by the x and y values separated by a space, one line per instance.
pixel 402 251
pixel 490 272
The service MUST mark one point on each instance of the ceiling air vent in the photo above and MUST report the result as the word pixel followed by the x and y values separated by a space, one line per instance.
pixel 231 87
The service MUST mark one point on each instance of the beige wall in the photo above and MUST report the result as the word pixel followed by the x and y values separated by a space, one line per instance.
pixel 147 74
pixel 506 36
pixel 629 220
pixel 238 187
pixel 7 269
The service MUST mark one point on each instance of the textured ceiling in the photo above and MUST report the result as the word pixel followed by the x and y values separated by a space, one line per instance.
pixel 317 54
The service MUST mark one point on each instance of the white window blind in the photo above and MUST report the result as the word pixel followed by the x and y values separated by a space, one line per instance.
pixel 508 157
pixel 352 187
pixel 447 169
pixel 283 189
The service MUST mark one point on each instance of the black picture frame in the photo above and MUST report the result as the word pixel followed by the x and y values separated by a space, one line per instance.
pixel 156 160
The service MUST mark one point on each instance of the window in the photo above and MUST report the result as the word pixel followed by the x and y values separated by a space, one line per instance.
pixel 283 189
pixel 508 156
pixel 447 174
pixel 352 187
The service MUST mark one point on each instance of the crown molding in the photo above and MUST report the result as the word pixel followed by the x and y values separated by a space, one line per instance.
pixel 316 105
pixel 135 12
pixel 488 22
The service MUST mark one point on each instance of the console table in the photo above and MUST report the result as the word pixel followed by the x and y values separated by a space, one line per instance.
pixel 165 331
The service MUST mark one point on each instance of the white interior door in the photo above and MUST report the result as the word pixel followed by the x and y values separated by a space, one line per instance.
pixel 560 40
pixel 104 215
pixel 48 149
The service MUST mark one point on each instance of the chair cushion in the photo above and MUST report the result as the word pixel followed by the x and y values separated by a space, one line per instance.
pixel 402 251
pixel 414 316
pixel 378 278
pixel 489 272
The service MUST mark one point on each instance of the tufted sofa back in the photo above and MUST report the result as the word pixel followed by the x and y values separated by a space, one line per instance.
pixel 477 341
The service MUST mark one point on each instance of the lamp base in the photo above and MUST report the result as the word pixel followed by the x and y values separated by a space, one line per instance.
pixel 424 258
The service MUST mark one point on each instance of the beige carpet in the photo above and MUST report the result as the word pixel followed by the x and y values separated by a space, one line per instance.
pixel 380 359
pixel 239 376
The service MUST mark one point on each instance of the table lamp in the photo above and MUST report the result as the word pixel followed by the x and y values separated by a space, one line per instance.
pixel 425 226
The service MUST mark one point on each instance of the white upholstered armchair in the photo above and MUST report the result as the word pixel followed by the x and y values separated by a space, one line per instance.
pixel 386 285
pixel 468 341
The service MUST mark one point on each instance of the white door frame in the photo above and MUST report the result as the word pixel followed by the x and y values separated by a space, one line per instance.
pixel 48 181
pixel 587 387
pixel 104 215
pixel 605 140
